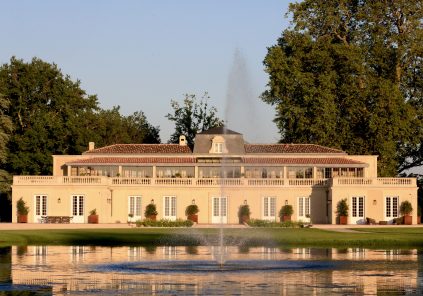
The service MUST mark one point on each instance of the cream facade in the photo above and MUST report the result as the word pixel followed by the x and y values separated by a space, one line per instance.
pixel 220 174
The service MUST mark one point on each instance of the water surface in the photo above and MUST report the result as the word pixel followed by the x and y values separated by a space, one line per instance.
pixel 169 270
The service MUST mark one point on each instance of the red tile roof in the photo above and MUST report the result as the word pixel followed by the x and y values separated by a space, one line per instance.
pixel 187 160
pixel 132 160
pixel 302 161
pixel 289 148
pixel 141 149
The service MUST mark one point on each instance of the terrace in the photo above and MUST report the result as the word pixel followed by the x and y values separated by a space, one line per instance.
pixel 210 182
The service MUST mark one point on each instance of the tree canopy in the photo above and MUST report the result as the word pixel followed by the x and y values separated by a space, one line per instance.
pixel 348 74
pixel 192 117
pixel 51 114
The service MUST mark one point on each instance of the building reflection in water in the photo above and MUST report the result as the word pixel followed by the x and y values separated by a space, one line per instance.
pixel 349 271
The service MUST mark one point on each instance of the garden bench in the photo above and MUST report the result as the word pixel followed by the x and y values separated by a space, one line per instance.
pixel 56 219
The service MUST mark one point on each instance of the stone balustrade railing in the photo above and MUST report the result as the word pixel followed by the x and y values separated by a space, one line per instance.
pixel 205 182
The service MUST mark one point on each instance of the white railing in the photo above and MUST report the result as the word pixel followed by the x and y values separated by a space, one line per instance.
pixel 131 181
pixel 308 182
pixel 193 182
pixel 173 181
pixel 265 182
pixel 219 182
pixel 374 181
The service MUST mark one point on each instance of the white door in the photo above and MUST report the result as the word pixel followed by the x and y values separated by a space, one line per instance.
pixel 78 209
pixel 269 208
pixel 134 208
pixel 391 208
pixel 219 210
pixel 357 210
pixel 169 210
pixel 303 209
pixel 40 207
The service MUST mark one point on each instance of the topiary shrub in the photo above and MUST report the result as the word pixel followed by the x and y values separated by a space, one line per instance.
pixel 342 208
pixel 286 210
pixel 406 208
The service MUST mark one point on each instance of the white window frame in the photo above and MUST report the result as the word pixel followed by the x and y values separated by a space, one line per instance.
pixel 169 207
pixel 269 208
pixel 78 216
pixel 41 207
pixel 134 207
pixel 303 208
pixel 390 208
pixel 356 201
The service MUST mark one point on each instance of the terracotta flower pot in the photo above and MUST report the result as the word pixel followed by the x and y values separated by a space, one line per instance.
pixel 419 219
pixel 152 217
pixel 343 220
pixel 244 219
pixel 408 220
pixel 93 219
pixel 193 218
pixel 285 218
pixel 22 218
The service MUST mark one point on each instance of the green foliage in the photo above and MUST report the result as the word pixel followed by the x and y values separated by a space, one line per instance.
pixel 244 210
pixel 266 223
pixel 191 210
pixel 192 117
pixel 406 208
pixel 342 208
pixel 21 207
pixel 111 127
pixel 53 115
pixel 93 212
pixel 164 223
pixel 150 210
pixel 348 75
pixel 286 210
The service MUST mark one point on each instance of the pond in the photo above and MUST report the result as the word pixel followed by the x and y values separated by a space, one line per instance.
pixel 170 270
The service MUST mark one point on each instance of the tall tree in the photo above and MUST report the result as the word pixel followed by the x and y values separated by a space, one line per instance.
pixel 348 75
pixel 111 127
pixel 6 128
pixel 192 117
pixel 49 112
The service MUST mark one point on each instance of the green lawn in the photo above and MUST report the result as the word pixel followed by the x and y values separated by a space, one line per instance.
pixel 277 237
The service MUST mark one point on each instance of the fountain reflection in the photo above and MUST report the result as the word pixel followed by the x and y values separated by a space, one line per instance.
pixel 192 270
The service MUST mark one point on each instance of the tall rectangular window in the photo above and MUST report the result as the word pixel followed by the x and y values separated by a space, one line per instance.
pixel 391 206
pixel 169 205
pixel 303 208
pixel 269 208
pixel 134 206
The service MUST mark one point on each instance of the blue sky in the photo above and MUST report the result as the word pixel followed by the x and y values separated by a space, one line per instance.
pixel 142 54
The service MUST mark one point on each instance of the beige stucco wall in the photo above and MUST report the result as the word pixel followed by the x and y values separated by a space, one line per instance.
pixel 111 202
pixel 371 160
pixel 374 205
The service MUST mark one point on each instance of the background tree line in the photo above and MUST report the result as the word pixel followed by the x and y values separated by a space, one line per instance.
pixel 348 74
pixel 43 112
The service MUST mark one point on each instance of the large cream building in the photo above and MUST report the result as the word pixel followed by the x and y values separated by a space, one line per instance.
pixel 221 173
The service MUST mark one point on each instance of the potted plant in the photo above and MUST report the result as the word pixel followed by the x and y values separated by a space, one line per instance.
pixel 285 213
pixel 342 211
pixel 93 217
pixel 191 212
pixel 406 209
pixel 244 214
pixel 130 216
pixel 151 212
pixel 22 211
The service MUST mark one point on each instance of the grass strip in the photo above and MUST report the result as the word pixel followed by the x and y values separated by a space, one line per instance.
pixel 275 237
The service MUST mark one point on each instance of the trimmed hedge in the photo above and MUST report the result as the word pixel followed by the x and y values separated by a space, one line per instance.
pixel 286 224
pixel 164 223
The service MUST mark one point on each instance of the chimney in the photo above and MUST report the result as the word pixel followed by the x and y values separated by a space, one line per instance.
pixel 182 140
pixel 91 146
